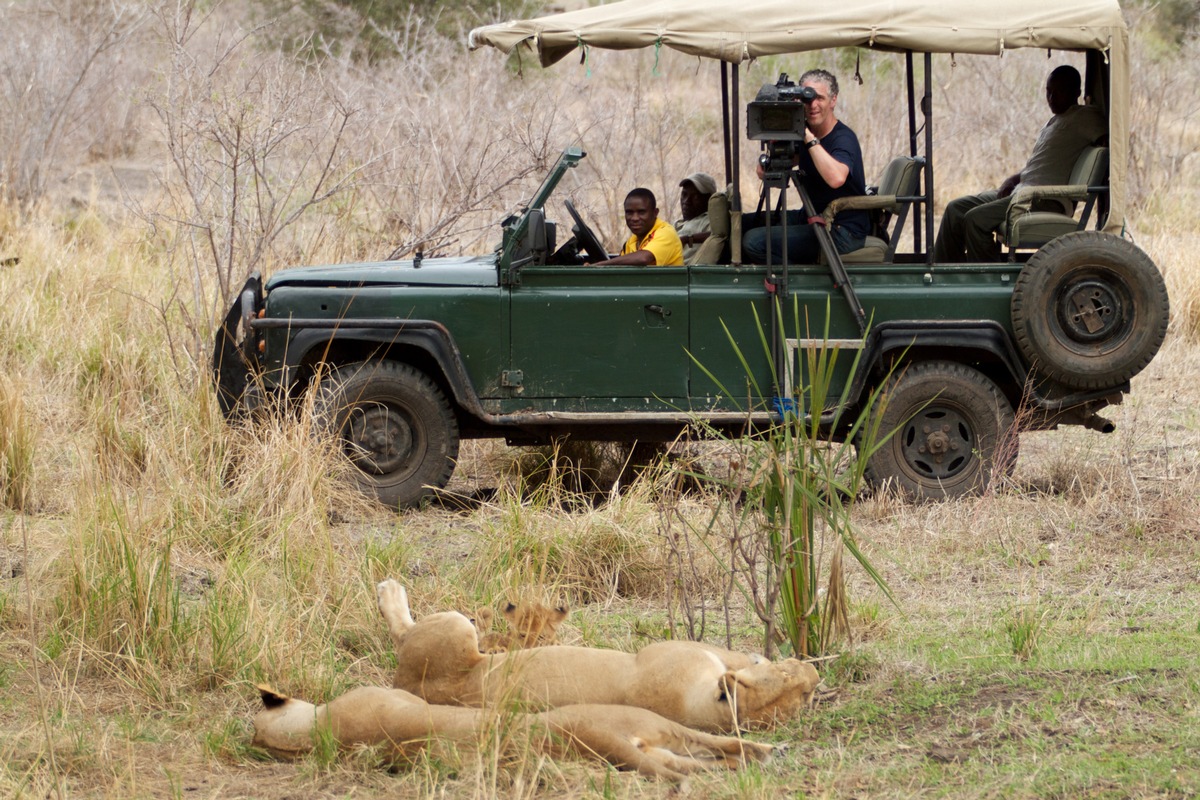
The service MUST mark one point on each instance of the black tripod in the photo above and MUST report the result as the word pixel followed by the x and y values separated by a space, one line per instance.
pixel 779 174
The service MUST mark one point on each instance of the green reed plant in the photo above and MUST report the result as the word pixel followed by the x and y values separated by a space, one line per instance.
pixel 800 493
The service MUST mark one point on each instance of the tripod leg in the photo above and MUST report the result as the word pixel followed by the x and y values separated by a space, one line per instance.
pixel 841 279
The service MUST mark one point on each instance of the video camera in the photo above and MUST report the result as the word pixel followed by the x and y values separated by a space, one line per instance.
pixel 777 116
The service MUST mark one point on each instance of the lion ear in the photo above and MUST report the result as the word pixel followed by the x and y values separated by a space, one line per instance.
pixel 559 614
pixel 270 697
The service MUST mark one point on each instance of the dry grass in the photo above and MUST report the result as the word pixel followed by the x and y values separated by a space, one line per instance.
pixel 155 562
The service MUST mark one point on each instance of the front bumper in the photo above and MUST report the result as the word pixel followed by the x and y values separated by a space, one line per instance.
pixel 235 348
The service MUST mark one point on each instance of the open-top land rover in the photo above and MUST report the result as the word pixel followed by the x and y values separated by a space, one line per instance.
pixel 529 343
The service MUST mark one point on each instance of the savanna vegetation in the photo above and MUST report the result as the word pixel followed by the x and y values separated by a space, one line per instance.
pixel 156 563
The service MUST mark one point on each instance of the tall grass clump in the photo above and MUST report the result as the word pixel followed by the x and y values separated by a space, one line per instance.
pixel 1024 627
pixel 121 601
pixel 285 467
pixel 17 445
pixel 800 492
pixel 592 556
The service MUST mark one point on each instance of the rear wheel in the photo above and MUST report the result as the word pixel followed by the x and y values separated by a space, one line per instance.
pixel 394 424
pixel 953 432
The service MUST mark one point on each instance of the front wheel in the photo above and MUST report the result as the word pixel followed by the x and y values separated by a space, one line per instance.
pixel 394 425
pixel 953 432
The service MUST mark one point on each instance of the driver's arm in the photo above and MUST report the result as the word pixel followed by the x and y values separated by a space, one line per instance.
pixel 660 248
pixel 638 258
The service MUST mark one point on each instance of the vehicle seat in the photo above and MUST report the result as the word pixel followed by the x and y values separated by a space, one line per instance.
pixel 712 248
pixel 1026 229
pixel 890 200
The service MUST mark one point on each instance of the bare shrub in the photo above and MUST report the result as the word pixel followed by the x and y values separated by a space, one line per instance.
pixel 253 142
pixel 61 79
pixel 460 145
pixel 1165 111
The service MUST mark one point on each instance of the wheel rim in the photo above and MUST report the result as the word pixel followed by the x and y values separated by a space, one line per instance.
pixel 1091 310
pixel 938 444
pixel 380 439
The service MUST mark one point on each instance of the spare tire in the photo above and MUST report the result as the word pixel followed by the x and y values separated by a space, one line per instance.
pixel 1089 310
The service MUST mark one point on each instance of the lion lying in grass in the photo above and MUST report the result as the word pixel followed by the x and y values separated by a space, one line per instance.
pixel 530 624
pixel 404 724
pixel 694 684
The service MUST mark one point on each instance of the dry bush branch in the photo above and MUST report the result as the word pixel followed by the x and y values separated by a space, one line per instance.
pixel 254 142
pixel 59 71
pixel 1165 109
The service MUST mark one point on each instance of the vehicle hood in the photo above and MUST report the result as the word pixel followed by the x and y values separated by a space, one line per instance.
pixel 463 271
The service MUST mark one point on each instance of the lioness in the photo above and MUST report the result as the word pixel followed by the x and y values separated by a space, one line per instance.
pixel 530 624
pixel 627 738
pixel 694 684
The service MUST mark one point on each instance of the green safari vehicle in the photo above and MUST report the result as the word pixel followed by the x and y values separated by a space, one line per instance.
pixel 527 343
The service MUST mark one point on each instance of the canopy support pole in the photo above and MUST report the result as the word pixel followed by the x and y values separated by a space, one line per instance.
pixel 927 108
pixel 725 121
pixel 912 105
pixel 912 140
pixel 735 192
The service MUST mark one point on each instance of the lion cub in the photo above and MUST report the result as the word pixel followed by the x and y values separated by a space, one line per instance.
pixel 530 624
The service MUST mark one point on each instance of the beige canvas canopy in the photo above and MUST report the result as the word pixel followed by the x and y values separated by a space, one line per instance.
pixel 746 29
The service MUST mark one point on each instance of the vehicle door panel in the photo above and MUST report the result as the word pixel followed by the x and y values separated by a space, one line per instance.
pixel 600 332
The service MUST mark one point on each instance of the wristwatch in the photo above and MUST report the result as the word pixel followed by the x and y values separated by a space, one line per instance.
pixel 813 142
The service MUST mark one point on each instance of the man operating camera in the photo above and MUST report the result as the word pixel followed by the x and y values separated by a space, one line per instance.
pixel 830 165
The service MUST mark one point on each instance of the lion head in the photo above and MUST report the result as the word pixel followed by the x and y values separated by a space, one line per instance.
pixel 765 693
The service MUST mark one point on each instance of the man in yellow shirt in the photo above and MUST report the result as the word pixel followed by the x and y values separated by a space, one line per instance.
pixel 653 242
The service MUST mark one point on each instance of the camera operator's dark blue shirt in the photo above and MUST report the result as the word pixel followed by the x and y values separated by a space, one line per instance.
pixel 842 144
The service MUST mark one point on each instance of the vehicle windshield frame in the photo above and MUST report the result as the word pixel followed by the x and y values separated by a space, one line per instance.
pixel 516 227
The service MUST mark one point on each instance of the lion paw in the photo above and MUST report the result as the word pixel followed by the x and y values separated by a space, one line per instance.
pixel 393 604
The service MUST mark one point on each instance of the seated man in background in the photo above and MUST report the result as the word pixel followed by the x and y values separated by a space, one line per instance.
pixel 693 229
pixel 832 165
pixel 652 242
pixel 966 232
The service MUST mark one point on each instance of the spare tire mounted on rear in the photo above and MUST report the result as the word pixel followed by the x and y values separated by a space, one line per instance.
pixel 1089 310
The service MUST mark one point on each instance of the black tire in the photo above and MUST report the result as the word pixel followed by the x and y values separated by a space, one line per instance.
pixel 1089 310
pixel 394 424
pixel 953 432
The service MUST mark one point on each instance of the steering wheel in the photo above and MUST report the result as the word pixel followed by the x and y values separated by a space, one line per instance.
pixel 585 236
